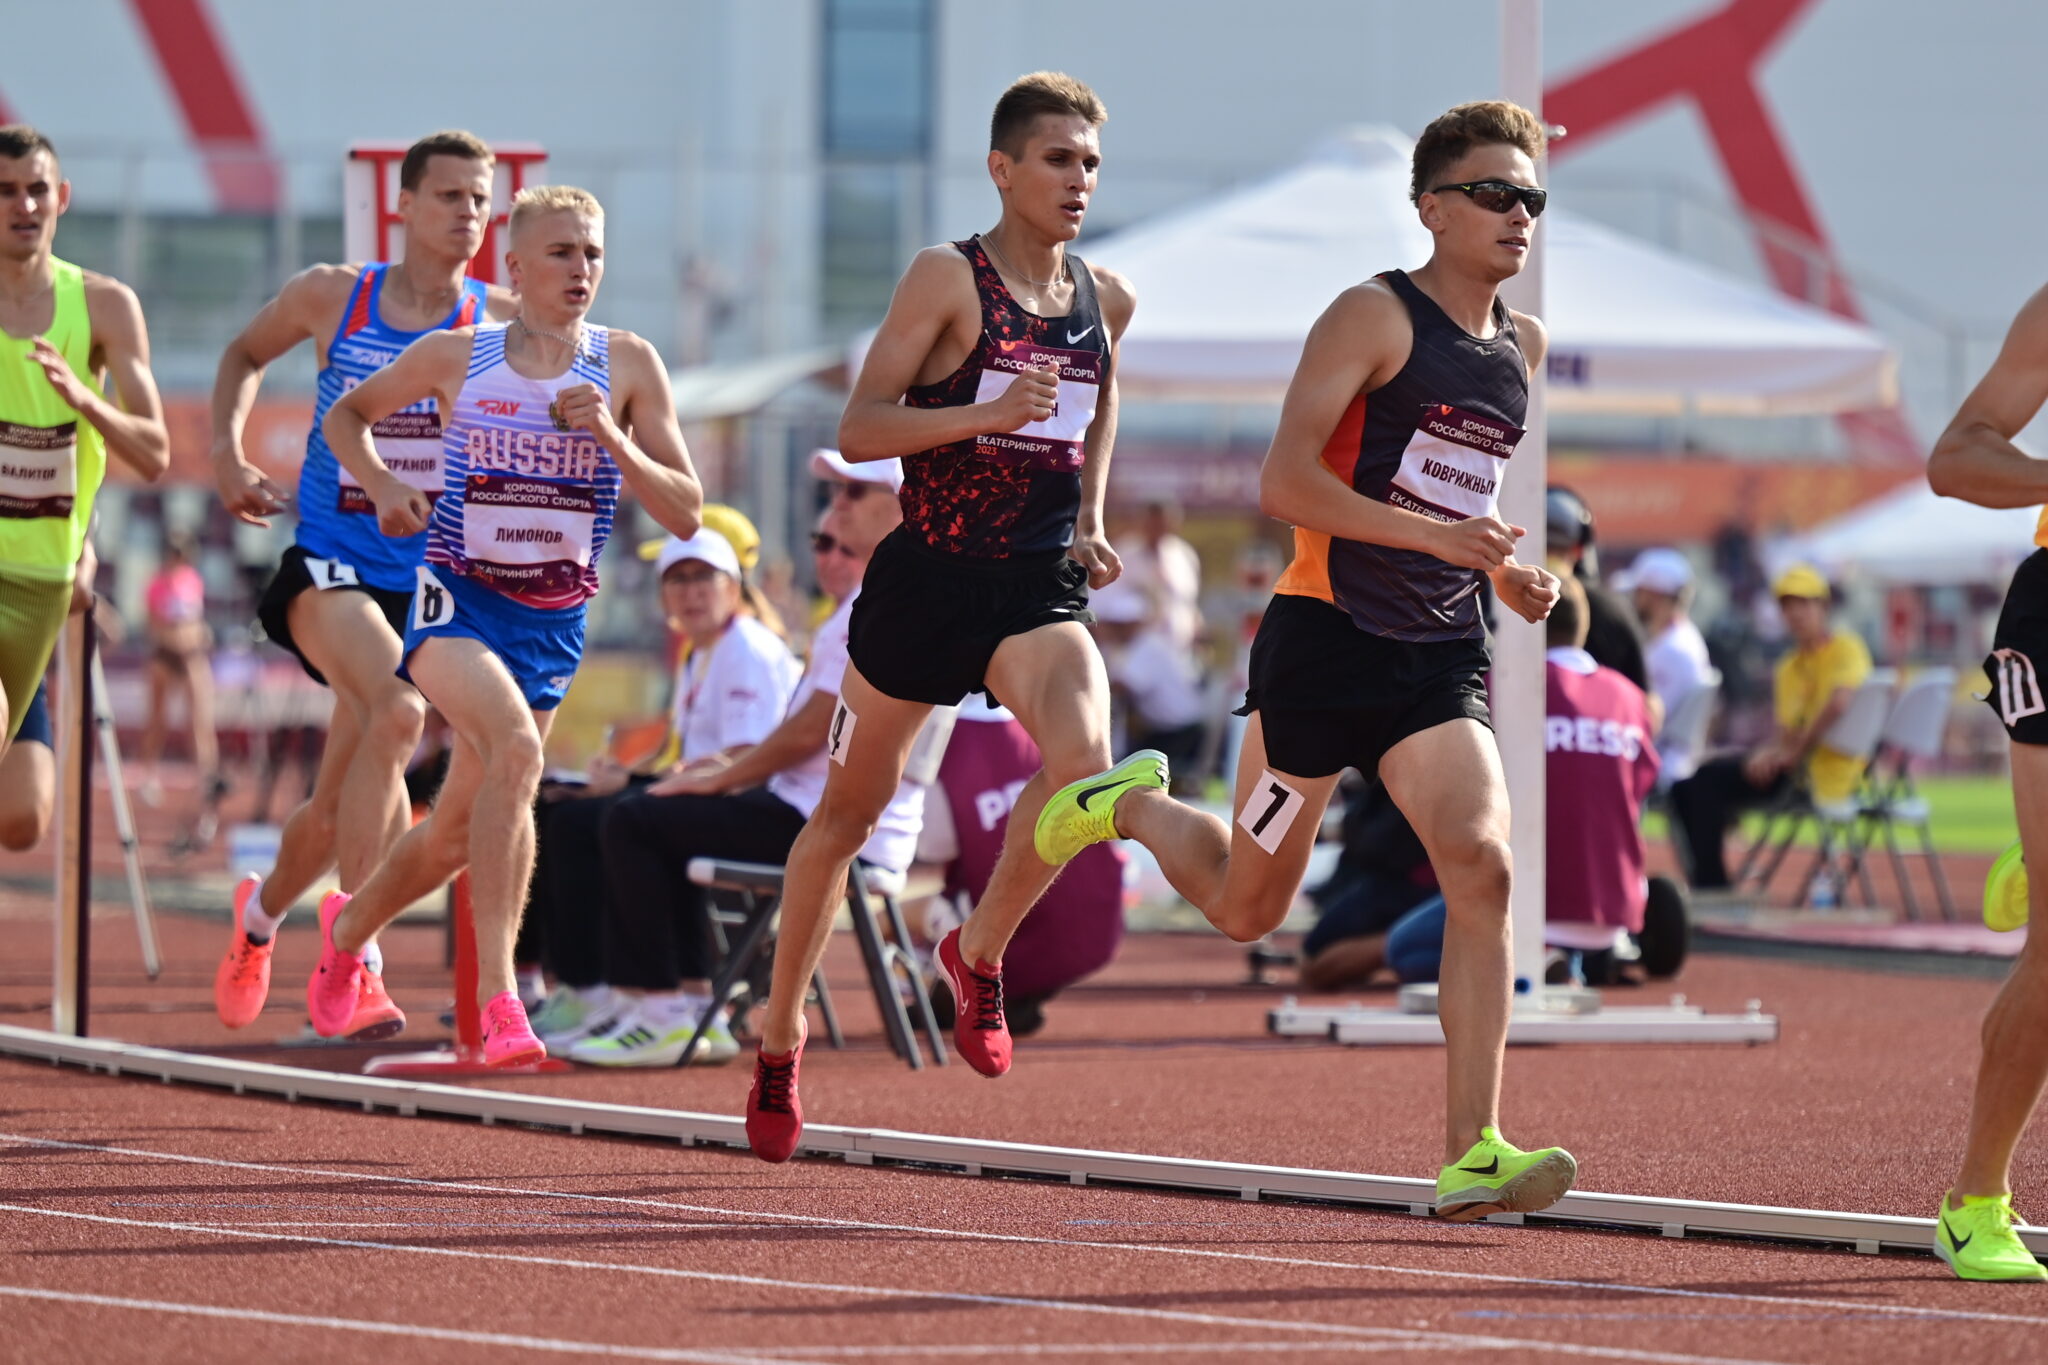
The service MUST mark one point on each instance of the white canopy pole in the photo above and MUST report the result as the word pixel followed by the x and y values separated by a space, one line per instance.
pixel 1518 677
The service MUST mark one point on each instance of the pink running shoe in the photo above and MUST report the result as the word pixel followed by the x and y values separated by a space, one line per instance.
pixel 242 981
pixel 337 983
pixel 979 1029
pixel 377 1016
pixel 508 1038
pixel 775 1114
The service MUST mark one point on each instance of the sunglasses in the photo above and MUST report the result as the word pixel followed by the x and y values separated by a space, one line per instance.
pixel 1498 196
pixel 853 490
pixel 825 543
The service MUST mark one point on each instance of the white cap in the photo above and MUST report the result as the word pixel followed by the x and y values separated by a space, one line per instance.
pixel 1661 569
pixel 707 545
pixel 830 464
pixel 1117 605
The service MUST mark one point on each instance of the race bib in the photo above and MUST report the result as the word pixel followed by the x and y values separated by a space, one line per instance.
pixel 38 470
pixel 1453 465
pixel 527 535
pixel 1056 442
pixel 432 603
pixel 409 443
pixel 331 573
pixel 1269 811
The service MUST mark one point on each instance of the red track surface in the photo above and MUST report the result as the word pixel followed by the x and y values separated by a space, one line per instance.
pixel 1859 1107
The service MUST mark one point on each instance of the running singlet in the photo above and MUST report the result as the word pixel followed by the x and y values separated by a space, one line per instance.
pixel 51 460
pixel 1434 439
pixel 527 503
pixel 337 520
pixel 1010 493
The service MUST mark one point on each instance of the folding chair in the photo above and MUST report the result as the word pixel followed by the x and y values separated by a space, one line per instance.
pixel 1916 728
pixel 1854 733
pixel 888 959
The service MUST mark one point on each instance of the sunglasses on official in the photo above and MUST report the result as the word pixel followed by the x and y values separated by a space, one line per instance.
pixel 825 543
pixel 1499 196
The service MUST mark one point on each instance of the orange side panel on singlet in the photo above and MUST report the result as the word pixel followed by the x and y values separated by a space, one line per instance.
pixel 1308 574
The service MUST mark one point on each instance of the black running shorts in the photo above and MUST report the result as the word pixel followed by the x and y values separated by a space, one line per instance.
pixel 1331 696
pixel 926 624
pixel 2019 654
pixel 296 573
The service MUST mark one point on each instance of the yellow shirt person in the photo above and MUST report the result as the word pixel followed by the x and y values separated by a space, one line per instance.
pixel 1807 680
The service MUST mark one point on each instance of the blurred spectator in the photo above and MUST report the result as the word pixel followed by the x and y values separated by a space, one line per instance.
pixel 1075 928
pixel 1382 874
pixel 1165 708
pixel 858 492
pixel 1166 573
pixel 732 685
pixel 180 661
pixel 1616 638
pixel 658 941
pixel 1812 687
pixel 1660 584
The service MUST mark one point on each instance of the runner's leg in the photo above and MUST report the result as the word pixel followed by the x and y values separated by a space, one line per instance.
pixel 857 791
pixel 305 846
pixel 2015 1058
pixel 1447 780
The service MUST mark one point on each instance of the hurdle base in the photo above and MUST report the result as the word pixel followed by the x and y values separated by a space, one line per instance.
pixel 1364 1026
pixel 455 1062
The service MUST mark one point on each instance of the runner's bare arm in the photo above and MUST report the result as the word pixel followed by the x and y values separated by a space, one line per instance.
pixel 1091 539
pixel 309 306
pixel 935 297
pixel 432 367
pixel 1975 459
pixel 653 460
pixel 133 425
pixel 803 732
pixel 1359 342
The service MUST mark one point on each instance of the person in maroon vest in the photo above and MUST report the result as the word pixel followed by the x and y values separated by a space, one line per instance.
pixel 1076 928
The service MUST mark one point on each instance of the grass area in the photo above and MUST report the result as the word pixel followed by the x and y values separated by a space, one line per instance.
pixel 1971 815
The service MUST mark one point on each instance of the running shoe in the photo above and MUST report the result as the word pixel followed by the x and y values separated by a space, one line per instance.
pixel 979 1030
pixel 1498 1177
pixel 376 1016
pixel 242 981
pixel 563 1010
pixel 1083 813
pixel 639 1040
pixel 337 983
pixel 1981 1240
pixel 775 1113
pixel 508 1038
pixel 2005 891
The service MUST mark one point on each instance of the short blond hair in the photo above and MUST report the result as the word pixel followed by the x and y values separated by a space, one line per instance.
pixel 1029 97
pixel 535 200
pixel 1456 131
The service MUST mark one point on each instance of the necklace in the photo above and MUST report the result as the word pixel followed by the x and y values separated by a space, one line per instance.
pixel 574 342
pixel 1060 276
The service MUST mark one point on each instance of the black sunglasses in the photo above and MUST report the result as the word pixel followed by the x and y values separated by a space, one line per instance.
pixel 1499 196
pixel 825 543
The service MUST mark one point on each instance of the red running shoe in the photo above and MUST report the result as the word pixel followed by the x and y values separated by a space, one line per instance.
pixel 508 1037
pixel 242 981
pixel 979 1030
pixel 377 1016
pixel 775 1114
pixel 337 982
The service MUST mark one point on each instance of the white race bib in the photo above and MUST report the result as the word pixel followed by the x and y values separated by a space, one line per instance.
pixel 38 470
pixel 331 573
pixel 527 535
pixel 1056 442
pixel 1453 465
pixel 432 603
pixel 409 444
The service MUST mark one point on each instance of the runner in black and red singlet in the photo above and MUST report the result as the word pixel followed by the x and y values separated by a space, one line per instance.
pixel 1397 430
pixel 993 377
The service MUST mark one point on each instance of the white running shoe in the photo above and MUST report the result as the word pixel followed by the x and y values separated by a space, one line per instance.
pixel 639 1040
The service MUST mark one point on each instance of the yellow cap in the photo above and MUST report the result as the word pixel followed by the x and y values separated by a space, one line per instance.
pixel 1801 580
pixel 729 522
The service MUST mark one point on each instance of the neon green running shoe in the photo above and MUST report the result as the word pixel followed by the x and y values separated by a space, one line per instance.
pixel 1083 813
pixel 1498 1177
pixel 2005 892
pixel 1981 1241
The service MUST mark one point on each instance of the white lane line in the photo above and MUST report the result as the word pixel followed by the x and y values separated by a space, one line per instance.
pixel 1467 1339
pixel 1153 1348
pixel 404 1329
pixel 1151 1248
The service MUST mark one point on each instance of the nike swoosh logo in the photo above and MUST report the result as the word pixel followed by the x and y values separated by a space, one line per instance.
pixel 1082 799
pixel 1959 1242
pixel 1073 337
pixel 1490 1168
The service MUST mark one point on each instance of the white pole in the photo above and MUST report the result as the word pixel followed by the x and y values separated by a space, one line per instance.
pixel 1518 678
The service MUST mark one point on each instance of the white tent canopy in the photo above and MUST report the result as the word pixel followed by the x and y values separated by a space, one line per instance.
pixel 1912 537
pixel 1228 290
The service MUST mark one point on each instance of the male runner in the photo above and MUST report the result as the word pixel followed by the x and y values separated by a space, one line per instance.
pixel 63 330
pixel 993 377
pixel 1394 437
pixel 536 416
pixel 1976 460
pixel 340 596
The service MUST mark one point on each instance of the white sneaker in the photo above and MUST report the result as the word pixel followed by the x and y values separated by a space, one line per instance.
pixel 639 1040
pixel 578 1021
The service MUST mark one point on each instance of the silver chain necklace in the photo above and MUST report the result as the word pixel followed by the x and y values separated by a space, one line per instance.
pixel 574 343
pixel 1060 276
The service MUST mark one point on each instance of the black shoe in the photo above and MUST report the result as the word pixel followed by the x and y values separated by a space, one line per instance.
pixel 1667 930
pixel 1026 1014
